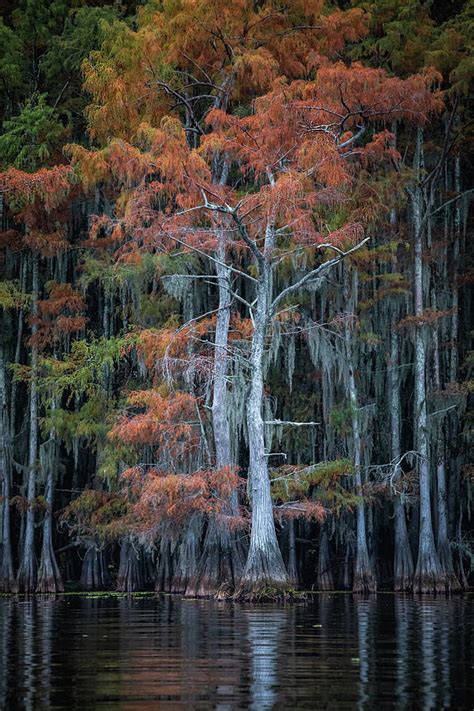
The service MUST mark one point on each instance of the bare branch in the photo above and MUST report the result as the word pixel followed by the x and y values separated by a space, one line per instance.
pixel 291 424
pixel 314 274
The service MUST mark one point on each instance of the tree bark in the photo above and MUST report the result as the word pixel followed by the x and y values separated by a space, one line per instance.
pixel 292 566
pixel 130 577
pixel 26 579
pixel 428 574
pixel 187 555
pixel 325 578
pixel 364 578
pixel 94 573
pixel 7 577
pixel 442 537
pixel 164 569
pixel 403 567
pixel 49 576
pixel 221 562
pixel 264 568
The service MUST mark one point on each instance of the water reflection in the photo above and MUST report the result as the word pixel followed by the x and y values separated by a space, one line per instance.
pixel 403 628
pixel 365 609
pixel 265 627
pixel 163 652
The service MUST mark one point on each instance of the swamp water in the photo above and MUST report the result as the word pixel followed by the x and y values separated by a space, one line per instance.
pixel 163 652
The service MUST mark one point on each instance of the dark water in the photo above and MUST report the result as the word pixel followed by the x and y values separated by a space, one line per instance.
pixel 163 652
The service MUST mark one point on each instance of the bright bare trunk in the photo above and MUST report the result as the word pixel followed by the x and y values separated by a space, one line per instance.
pixel 428 577
pixel 264 569
pixel 364 579
pixel 221 562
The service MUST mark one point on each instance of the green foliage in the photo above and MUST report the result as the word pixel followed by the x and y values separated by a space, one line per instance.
pixel 81 372
pixel 35 21
pixel 341 420
pixel 452 52
pixel 30 139
pixel 84 30
pixel 11 296
pixel 88 423
pixel 12 66
pixel 400 34
pixel 321 481
pixel 97 514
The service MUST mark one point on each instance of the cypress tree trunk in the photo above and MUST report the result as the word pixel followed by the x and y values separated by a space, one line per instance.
pixel 428 575
pixel 292 559
pixel 403 567
pixel 364 578
pixel 164 570
pixel 453 366
pixel 454 360
pixel 49 576
pixel 264 568
pixel 26 579
pixel 187 556
pixel 7 578
pixel 325 578
pixel 19 338
pixel 94 574
pixel 130 576
pixel 442 537
pixel 221 562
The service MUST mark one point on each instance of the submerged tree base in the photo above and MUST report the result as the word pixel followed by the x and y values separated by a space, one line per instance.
pixel 439 582
pixel 403 583
pixel 364 582
pixel 220 567
pixel 267 592
pixel 431 577
pixel 26 578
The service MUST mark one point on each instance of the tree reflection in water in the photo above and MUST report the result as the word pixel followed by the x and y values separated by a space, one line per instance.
pixel 403 629
pixel 265 627
pixel 365 609
pixel 337 652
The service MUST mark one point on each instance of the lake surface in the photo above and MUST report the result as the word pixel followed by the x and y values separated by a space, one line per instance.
pixel 163 652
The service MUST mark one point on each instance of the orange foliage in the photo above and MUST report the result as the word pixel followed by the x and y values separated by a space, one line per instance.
pixel 47 188
pixel 428 317
pixel 162 498
pixel 168 422
pixel 38 200
pixel 58 316
pixel 309 510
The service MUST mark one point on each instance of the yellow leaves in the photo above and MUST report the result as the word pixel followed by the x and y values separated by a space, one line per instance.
pixel 119 78
pixel 90 166
pixel 255 69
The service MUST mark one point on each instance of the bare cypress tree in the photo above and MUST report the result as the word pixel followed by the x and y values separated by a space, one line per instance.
pixel 428 574
pixel 221 562
pixel 26 578
pixel 403 567
pixel 49 576
pixel 364 578
pixel 7 578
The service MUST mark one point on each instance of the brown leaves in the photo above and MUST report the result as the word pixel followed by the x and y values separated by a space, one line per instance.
pixel 58 317
pixel 164 498
pixel 427 318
